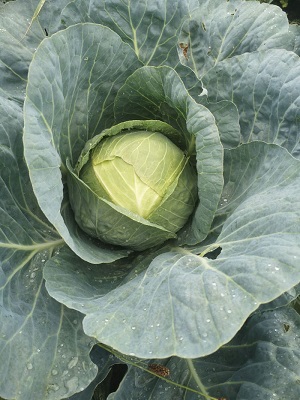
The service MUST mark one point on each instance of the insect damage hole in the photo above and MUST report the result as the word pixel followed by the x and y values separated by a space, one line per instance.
pixel 213 254
pixel 184 47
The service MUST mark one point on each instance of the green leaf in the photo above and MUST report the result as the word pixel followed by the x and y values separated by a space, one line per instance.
pixel 158 93
pixel 261 362
pixel 80 84
pixel 234 28
pixel 265 87
pixel 72 281
pixel 227 120
pixel 16 52
pixel 150 28
pixel 39 338
pixel 225 112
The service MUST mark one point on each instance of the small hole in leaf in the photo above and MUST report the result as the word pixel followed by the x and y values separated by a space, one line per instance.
pixel 212 255
pixel 203 26
pixel 286 327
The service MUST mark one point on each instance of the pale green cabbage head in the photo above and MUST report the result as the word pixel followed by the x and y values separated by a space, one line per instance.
pixel 142 187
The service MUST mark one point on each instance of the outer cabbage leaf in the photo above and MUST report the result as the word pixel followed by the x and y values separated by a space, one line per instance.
pixel 265 87
pixel 189 305
pixel 16 48
pixel 261 362
pixel 72 83
pixel 225 112
pixel 150 27
pixel 43 350
pixel 233 28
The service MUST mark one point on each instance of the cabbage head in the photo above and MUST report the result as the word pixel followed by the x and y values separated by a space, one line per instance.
pixel 133 186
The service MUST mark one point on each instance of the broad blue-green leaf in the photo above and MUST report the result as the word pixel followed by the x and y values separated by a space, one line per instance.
pixel 16 50
pixel 213 35
pixel 261 362
pixel 265 87
pixel 43 350
pixel 227 120
pixel 150 27
pixel 158 93
pixel 225 112
pixel 72 83
pixel 77 283
pixel 46 15
pixel 190 305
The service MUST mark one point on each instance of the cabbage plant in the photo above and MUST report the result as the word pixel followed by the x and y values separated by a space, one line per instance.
pixel 150 186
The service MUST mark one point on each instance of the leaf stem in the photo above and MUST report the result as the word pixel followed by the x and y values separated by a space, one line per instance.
pixel 197 378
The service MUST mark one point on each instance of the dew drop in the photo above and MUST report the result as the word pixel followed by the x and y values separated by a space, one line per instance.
pixel 208 320
pixel 133 327
pixel 72 383
pixel 54 372
pixel 73 362
pixel 29 366
pixel 229 311
pixel 157 324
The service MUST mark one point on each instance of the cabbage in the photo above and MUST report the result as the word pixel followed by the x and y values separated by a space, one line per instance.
pixel 149 208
